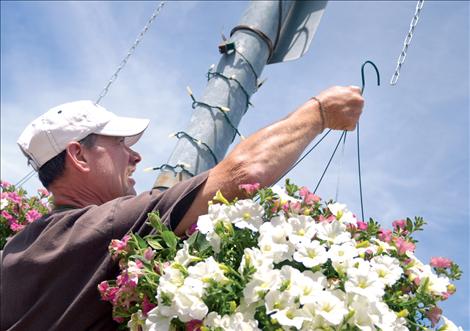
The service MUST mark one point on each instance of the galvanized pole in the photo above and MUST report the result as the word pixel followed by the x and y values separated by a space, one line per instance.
pixel 264 27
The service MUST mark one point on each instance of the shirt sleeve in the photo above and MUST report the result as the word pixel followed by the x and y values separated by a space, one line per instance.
pixel 131 213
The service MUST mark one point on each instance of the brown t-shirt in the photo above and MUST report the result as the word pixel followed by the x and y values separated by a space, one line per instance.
pixel 50 270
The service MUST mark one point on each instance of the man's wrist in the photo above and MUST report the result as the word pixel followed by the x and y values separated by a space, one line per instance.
pixel 322 112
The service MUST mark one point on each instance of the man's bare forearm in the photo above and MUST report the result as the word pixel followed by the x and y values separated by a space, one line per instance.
pixel 267 154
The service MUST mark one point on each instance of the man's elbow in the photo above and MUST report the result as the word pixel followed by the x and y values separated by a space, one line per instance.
pixel 248 171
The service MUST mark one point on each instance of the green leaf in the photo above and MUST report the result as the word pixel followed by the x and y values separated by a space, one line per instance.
pixel 291 189
pixel 170 239
pixel 154 243
pixel 139 241
pixel 155 221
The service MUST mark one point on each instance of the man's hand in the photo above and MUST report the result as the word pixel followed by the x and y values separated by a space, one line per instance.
pixel 342 106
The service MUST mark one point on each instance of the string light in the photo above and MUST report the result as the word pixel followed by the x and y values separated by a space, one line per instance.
pixel 228 48
pixel 178 168
pixel 223 109
pixel 211 74
pixel 181 134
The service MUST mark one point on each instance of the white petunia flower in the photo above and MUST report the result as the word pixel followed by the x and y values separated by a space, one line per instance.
pixel 449 325
pixel 311 254
pixel 310 284
pixel 387 268
pixel 382 246
pixel 207 270
pixel 342 214
pixel 273 241
pixel 187 301
pixel 216 212
pixel 246 214
pixel 170 281
pixel 341 256
pixel 303 229
pixel 254 257
pixel 281 192
pixel 156 321
pixel 206 223
pixel 364 282
pixel 314 322
pixel 329 305
pixel 334 232
pixel 436 285
pixel 261 283
pixel 3 203
pixel 276 300
pixel 290 317
pixel 234 322
pixel 137 321
pixel 183 257
pixel 366 313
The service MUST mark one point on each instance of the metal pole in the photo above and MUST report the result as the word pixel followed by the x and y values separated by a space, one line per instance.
pixel 255 39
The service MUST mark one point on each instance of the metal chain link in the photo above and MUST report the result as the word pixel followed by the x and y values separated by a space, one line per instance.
pixel 406 44
pixel 130 52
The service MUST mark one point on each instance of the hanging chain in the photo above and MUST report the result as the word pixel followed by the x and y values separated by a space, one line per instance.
pixel 113 77
pixel 130 52
pixel 406 43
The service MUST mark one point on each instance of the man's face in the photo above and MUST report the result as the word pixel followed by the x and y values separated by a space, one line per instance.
pixel 111 166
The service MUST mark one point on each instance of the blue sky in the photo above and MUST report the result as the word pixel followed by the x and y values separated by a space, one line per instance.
pixel 414 136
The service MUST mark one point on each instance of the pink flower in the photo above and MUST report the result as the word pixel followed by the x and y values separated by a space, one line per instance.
pixel 403 245
pixel 441 262
pixel 16 227
pixel 385 235
pixel 103 287
pixel 14 197
pixel 32 215
pixel 434 315
pixel 362 225
pixel 149 254
pixel 417 280
pixel 249 189
pixel 7 216
pixel 43 192
pixel 4 184
pixel 194 325
pixel 119 246
pixel 191 229
pixel 119 319
pixel 295 207
pixel 328 219
pixel 147 305
pixel 399 224
pixel 309 197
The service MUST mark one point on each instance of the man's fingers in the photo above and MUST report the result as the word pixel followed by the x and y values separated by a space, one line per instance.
pixel 355 88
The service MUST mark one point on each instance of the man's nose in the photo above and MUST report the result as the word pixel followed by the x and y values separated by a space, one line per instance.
pixel 135 157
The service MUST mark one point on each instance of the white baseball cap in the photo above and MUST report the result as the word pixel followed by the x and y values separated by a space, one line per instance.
pixel 49 134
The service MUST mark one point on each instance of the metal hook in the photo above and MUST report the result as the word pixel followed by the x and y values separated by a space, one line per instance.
pixel 362 75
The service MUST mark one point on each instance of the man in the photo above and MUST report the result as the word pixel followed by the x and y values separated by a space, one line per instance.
pixel 82 153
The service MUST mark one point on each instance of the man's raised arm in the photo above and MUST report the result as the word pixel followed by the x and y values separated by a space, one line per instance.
pixel 267 154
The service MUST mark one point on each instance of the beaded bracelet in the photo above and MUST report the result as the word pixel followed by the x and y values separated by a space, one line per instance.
pixel 322 112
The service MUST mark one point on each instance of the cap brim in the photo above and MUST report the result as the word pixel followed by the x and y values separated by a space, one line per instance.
pixel 129 127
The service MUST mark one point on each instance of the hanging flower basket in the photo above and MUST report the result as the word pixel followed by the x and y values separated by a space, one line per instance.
pixel 281 260
pixel 18 209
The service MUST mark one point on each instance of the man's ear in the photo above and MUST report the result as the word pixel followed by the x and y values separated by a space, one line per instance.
pixel 77 157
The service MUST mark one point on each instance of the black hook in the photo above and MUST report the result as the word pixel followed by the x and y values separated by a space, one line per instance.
pixel 362 74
